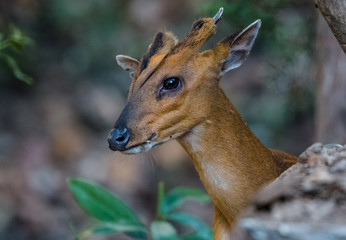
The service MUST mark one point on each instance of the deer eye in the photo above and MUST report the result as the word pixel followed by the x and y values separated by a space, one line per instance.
pixel 170 87
pixel 171 83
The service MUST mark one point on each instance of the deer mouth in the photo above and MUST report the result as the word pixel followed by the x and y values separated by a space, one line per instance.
pixel 148 144
pixel 139 148
pixel 143 146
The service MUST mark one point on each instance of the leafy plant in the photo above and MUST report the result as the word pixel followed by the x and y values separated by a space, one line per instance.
pixel 114 216
pixel 16 40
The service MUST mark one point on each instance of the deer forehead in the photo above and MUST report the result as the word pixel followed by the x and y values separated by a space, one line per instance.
pixel 163 66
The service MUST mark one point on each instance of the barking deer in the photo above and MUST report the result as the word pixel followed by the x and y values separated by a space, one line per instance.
pixel 175 94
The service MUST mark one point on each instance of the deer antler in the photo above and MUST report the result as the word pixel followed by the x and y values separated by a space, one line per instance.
pixel 218 16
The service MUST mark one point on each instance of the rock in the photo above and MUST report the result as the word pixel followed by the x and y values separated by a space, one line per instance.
pixel 308 201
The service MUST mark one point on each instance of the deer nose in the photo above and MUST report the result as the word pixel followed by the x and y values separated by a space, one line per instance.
pixel 118 138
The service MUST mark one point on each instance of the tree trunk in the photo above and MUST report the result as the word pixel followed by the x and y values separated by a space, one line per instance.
pixel 331 87
pixel 334 12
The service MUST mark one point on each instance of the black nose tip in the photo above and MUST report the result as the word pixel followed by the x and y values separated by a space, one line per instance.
pixel 118 138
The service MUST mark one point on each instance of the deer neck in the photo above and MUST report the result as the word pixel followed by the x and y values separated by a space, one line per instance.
pixel 232 163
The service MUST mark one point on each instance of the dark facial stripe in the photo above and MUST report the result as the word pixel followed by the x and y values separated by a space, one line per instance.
pixel 153 71
pixel 147 77
pixel 155 46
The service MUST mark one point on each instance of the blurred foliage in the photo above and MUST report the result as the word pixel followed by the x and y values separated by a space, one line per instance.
pixel 114 216
pixel 88 31
pixel 13 43
pixel 278 35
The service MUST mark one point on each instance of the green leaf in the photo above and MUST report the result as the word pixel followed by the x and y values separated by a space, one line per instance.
pixel 101 204
pixel 109 229
pixel 176 197
pixel 18 39
pixel 162 230
pixel 160 197
pixel 12 64
pixel 4 44
pixel 202 230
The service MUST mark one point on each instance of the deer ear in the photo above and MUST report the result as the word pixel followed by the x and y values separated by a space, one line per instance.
pixel 240 47
pixel 127 63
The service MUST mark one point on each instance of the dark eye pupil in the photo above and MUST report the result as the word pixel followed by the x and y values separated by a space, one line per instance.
pixel 171 83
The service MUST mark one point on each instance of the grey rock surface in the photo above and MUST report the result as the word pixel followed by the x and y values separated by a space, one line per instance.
pixel 308 201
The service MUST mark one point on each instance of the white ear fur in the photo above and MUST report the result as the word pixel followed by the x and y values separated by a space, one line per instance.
pixel 127 63
pixel 240 47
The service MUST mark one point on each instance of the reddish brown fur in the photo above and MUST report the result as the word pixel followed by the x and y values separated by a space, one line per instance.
pixel 232 163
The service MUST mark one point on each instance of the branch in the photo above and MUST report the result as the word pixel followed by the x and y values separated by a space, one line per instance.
pixel 334 12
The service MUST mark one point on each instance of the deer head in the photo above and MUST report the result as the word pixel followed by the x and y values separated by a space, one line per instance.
pixel 175 85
